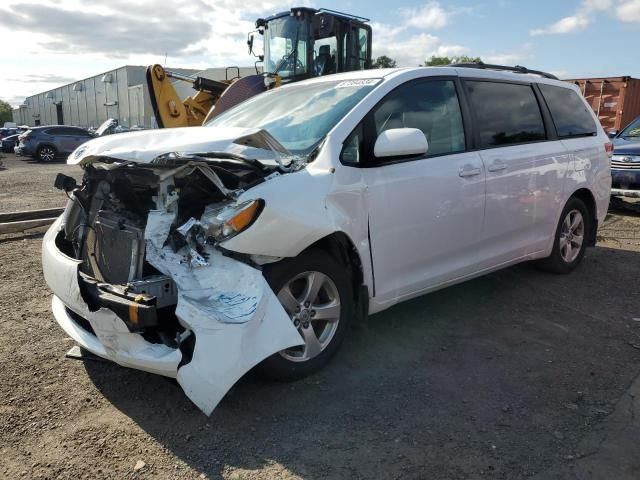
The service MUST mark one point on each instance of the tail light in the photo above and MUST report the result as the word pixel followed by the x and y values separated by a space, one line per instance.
pixel 608 147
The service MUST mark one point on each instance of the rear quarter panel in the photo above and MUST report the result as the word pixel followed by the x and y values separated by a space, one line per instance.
pixel 589 164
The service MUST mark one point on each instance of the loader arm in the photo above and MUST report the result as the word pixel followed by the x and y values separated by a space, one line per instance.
pixel 169 109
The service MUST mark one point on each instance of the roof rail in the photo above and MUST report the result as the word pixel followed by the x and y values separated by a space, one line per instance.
pixel 516 69
pixel 345 15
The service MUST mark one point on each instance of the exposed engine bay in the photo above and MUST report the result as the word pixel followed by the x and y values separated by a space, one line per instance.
pixel 107 219
pixel 147 241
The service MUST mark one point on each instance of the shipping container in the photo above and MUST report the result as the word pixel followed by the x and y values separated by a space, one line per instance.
pixel 616 100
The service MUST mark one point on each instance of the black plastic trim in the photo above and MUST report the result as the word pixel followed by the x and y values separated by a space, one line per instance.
pixel 547 118
pixel 504 68
pixel 373 274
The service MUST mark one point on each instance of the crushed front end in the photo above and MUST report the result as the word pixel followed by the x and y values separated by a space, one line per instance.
pixel 140 276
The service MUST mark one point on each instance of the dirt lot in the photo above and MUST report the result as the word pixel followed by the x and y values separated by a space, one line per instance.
pixel 517 374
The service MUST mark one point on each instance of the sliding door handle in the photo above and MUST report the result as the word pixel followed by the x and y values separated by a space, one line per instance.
pixel 497 166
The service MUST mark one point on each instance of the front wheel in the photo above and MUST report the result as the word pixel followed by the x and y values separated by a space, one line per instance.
pixel 570 240
pixel 316 293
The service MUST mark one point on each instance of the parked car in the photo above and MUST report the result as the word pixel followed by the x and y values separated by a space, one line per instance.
pixel 7 132
pixel 197 253
pixel 53 141
pixel 47 143
pixel 9 143
pixel 625 162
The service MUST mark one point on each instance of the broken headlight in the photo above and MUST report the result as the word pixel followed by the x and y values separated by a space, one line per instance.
pixel 223 223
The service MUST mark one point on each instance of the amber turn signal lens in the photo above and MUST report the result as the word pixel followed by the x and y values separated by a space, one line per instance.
pixel 243 218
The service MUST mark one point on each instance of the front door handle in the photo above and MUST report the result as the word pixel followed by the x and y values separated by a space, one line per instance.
pixel 469 171
pixel 497 166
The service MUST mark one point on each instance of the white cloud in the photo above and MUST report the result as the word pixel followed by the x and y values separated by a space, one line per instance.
pixel 629 11
pixel 571 24
pixel 578 21
pixel 410 51
pixel 53 41
pixel 429 17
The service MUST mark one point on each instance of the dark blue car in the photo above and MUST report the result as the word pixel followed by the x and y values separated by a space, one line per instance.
pixel 46 144
pixel 8 143
pixel 625 163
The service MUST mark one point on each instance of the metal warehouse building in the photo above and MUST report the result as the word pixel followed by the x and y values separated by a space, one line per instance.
pixel 121 94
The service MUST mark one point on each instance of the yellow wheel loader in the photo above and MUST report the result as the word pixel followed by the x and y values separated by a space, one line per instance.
pixel 298 44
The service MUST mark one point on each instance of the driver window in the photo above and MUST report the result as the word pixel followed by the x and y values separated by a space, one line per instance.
pixel 431 106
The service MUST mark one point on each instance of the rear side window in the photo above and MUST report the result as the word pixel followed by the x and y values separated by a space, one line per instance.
pixel 53 131
pixel 505 113
pixel 571 116
pixel 431 106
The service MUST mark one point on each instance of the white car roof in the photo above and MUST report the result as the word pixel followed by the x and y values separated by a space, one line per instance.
pixel 388 73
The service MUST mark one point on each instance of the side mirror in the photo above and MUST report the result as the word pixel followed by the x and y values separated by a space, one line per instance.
pixel 612 133
pixel 250 43
pixel 400 142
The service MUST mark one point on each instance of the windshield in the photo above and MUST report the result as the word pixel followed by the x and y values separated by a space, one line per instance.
pixel 298 116
pixel 632 130
pixel 285 46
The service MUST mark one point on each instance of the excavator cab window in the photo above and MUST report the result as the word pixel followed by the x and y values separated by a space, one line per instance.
pixel 356 49
pixel 285 46
pixel 306 43
pixel 324 56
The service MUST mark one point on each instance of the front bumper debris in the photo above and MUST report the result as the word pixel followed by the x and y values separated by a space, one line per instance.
pixel 232 320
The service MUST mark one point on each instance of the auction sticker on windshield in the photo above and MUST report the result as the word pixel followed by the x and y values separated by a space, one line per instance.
pixel 359 83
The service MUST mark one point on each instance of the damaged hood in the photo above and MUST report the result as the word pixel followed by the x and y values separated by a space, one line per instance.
pixel 145 146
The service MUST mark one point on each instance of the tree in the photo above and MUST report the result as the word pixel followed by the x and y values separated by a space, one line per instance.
pixel 6 113
pixel 384 62
pixel 435 61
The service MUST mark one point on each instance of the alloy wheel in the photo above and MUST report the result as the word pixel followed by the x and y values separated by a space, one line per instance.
pixel 312 301
pixel 47 154
pixel 571 236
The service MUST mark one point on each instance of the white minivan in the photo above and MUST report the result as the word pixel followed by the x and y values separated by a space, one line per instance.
pixel 198 253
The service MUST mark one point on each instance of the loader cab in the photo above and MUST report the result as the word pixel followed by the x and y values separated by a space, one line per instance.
pixel 305 42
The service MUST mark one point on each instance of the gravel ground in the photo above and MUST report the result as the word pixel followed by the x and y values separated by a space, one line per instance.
pixel 26 184
pixel 502 377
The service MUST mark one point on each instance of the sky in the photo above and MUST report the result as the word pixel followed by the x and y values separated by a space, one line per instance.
pixel 48 43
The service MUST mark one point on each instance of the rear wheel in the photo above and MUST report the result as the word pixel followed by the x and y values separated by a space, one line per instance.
pixel 317 295
pixel 570 240
pixel 46 154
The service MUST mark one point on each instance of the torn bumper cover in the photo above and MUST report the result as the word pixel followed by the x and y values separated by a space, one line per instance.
pixel 231 318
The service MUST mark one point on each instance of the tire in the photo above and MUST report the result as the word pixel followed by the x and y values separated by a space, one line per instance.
pixel 46 154
pixel 570 240
pixel 335 297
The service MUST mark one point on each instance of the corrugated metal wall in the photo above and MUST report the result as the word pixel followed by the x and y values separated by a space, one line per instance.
pixel 121 94
pixel 89 102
